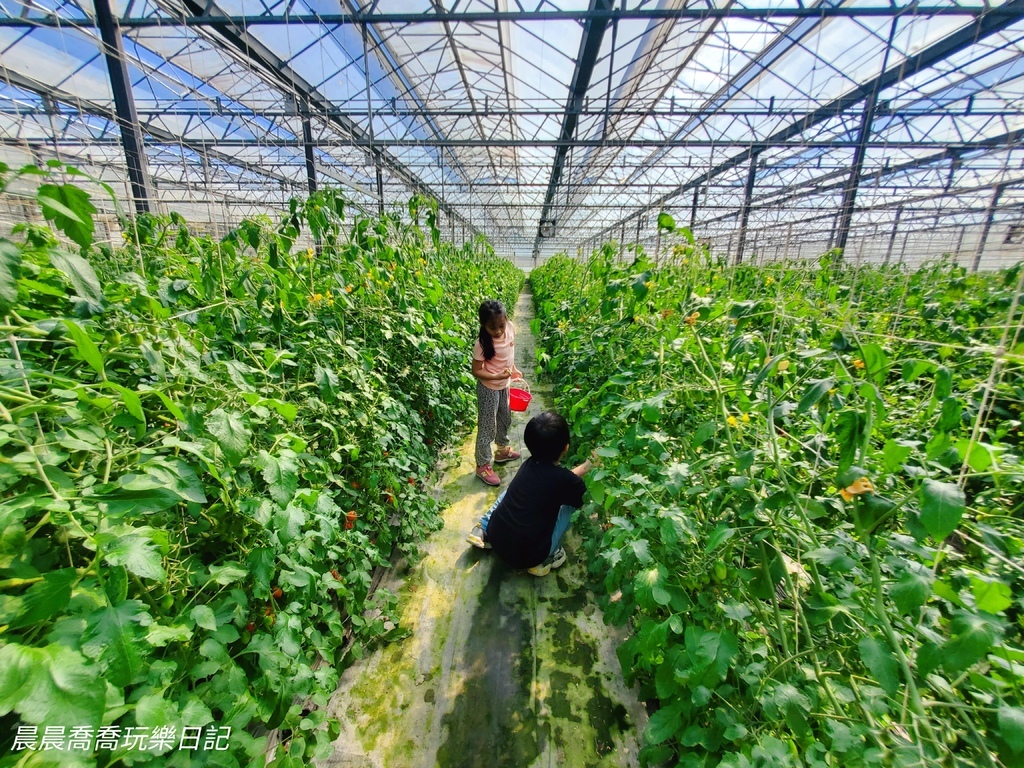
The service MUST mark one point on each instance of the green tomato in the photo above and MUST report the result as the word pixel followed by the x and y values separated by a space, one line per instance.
pixel 167 602
pixel 721 570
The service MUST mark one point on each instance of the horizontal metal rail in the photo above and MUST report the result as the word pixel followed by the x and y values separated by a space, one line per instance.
pixel 483 17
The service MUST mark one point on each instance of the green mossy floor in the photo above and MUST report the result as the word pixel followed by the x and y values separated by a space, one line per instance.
pixel 503 669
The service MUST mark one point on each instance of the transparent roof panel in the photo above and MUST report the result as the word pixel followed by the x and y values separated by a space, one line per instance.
pixel 594 122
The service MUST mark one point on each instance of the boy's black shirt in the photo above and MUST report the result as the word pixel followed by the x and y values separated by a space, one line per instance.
pixel 520 528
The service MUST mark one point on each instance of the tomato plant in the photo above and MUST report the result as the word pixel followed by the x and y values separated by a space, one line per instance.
pixel 184 423
pixel 809 506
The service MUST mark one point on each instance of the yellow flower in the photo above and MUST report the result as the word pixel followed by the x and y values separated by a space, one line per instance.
pixel 859 486
pixel 348 289
pixel 309 254
pixel 858 364
pixel 769 280
pixel 732 421
pixel 782 366
pixel 745 418
pixel 418 273
pixel 649 285
pixel 833 391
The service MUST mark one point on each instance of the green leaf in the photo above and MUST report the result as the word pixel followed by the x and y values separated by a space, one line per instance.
pixel 817 389
pixel 666 222
pixel 87 349
pixel 50 685
pixel 894 454
pixel 46 598
pixel 876 362
pixel 719 536
pixel 114 637
pixel 942 506
pixel 979 456
pixel 68 207
pixel 949 417
pixel 132 403
pixel 663 724
pixel 160 635
pixel 132 547
pixel 231 434
pixel 227 573
pixel 879 659
pixel 80 274
pixel 912 369
pixel 10 271
pixel 912 591
pixel 203 616
pixel 972 638
pixel 280 474
pixel 991 596
pixel 177 476
pixel 849 432
pixel 649 587
pixel 1011 726
pixel 943 382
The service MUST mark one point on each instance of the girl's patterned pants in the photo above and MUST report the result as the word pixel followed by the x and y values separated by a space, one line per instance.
pixel 493 419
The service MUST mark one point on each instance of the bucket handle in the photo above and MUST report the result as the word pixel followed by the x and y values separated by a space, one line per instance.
pixel 520 384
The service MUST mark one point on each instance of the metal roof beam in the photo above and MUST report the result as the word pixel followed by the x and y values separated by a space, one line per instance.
pixel 275 70
pixel 940 50
pixel 590 47
pixel 603 15
pixel 747 146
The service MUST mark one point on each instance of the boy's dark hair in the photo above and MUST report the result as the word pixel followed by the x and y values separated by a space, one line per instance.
pixel 489 310
pixel 546 436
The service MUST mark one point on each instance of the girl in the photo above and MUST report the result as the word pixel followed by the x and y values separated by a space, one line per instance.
pixel 494 365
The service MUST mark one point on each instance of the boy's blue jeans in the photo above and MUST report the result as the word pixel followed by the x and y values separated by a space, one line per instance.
pixel 561 524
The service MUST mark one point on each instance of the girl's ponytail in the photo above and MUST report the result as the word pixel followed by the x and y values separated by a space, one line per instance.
pixel 489 310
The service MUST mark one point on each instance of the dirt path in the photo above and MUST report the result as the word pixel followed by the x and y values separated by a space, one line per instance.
pixel 503 669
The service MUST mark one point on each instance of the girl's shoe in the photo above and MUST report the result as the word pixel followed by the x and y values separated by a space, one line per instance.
pixel 477 539
pixel 556 560
pixel 486 474
pixel 505 453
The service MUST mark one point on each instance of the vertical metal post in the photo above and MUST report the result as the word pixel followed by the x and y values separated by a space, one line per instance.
pixel 789 239
pixel 124 106
pixel 903 249
pixel 693 209
pixel 892 236
pixel 832 232
pixel 307 143
pixel 853 182
pixel 959 244
pixel 745 212
pixel 374 154
pixel 728 246
pixel 990 215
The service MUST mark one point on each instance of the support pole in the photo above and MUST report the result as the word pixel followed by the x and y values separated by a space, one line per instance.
pixel 789 239
pixel 745 213
pixel 892 236
pixel 990 215
pixel 374 152
pixel 124 107
pixel 853 182
pixel 307 142
pixel 693 210
pixel 959 244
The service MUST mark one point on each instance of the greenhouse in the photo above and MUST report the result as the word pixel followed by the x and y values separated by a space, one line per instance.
pixel 727 295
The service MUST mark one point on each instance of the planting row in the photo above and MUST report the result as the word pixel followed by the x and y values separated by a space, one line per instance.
pixel 809 508
pixel 206 447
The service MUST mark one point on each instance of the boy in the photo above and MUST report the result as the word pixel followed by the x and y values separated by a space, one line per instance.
pixel 526 524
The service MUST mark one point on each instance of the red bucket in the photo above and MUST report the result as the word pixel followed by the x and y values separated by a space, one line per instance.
pixel 519 399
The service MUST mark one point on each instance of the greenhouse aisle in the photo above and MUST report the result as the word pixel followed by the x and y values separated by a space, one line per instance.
pixel 502 668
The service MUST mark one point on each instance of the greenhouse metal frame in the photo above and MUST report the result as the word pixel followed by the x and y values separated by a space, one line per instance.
pixel 772 128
